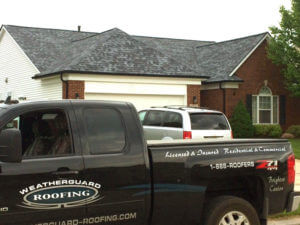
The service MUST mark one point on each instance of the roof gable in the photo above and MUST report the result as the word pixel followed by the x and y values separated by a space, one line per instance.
pixel 219 60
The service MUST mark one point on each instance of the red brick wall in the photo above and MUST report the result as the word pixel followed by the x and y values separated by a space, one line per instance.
pixel 255 70
pixel 212 99
pixel 74 87
pixel 193 90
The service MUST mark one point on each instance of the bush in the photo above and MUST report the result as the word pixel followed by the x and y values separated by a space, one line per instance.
pixel 287 136
pixel 241 122
pixel 294 130
pixel 267 131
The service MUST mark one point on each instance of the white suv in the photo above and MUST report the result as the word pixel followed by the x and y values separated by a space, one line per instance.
pixel 176 122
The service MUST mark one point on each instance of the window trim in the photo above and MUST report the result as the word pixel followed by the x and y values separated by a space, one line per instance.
pixel 271 111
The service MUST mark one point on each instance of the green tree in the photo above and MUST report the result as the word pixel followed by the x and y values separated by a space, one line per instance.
pixel 284 46
pixel 241 122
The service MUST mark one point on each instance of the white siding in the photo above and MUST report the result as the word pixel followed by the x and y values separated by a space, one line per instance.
pixel 51 88
pixel 18 70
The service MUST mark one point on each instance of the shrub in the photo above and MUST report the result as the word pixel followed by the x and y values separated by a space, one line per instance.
pixel 287 136
pixel 267 131
pixel 241 122
pixel 294 130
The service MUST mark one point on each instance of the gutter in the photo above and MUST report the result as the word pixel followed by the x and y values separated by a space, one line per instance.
pixel 38 76
pixel 66 83
pixel 224 98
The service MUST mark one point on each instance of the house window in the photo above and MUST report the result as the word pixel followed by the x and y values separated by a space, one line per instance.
pixel 265 107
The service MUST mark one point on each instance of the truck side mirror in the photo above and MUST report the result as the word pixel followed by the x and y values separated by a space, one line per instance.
pixel 11 145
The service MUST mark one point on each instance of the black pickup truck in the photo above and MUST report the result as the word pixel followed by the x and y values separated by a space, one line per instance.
pixel 86 162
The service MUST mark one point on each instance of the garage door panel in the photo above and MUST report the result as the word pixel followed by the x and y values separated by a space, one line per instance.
pixel 140 101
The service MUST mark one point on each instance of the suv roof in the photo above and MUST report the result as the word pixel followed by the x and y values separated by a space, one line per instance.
pixel 183 108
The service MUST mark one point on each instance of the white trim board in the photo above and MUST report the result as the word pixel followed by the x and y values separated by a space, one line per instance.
pixel 22 51
pixel 250 53
pixel 226 85
pixel 131 79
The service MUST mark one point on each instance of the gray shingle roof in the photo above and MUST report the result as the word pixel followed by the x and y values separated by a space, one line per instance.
pixel 116 52
pixel 112 51
pixel 179 49
pixel 219 60
pixel 43 46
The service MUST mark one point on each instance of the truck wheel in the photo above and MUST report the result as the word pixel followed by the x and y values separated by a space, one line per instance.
pixel 229 210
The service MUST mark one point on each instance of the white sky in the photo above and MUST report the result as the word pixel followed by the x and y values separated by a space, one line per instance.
pixel 213 20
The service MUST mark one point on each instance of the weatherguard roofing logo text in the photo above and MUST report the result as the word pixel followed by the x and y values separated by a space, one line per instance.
pixel 60 194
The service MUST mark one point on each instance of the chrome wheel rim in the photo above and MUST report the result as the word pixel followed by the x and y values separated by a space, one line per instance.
pixel 234 218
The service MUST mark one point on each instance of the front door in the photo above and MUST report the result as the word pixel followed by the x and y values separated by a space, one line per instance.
pixel 48 186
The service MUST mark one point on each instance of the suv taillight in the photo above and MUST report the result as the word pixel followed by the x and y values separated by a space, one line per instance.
pixel 291 169
pixel 187 134
pixel 231 135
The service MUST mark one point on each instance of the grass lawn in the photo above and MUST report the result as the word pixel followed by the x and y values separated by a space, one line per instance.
pixel 296 147
pixel 281 215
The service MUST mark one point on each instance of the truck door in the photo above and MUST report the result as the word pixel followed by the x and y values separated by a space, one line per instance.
pixel 114 157
pixel 48 186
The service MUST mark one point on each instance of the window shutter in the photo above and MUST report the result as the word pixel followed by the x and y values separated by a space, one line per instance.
pixel 249 104
pixel 282 107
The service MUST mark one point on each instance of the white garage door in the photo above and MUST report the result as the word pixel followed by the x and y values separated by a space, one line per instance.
pixel 140 101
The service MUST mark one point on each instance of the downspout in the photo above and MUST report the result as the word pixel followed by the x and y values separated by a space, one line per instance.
pixel 66 83
pixel 224 98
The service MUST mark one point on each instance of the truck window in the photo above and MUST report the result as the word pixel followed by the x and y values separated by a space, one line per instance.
pixel 172 119
pixel 208 121
pixel 154 118
pixel 44 133
pixel 105 131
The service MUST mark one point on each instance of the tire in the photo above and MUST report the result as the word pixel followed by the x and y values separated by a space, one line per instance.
pixel 226 210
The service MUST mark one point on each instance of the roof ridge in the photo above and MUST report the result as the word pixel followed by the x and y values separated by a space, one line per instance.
pixel 42 28
pixel 96 34
pixel 158 50
pixel 90 48
pixel 77 59
pixel 222 42
pixel 178 39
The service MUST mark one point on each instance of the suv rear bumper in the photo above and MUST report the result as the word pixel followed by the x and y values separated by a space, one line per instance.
pixel 293 201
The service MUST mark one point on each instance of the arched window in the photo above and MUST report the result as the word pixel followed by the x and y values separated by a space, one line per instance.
pixel 265 107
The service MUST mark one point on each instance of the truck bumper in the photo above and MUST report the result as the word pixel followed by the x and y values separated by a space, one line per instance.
pixel 293 202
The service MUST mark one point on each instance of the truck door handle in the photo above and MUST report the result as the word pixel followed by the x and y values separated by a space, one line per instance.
pixel 65 171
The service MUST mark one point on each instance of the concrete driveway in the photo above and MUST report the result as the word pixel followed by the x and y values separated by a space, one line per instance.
pixel 295 220
pixel 297 182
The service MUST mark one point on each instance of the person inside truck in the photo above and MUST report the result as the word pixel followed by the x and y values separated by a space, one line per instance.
pixel 41 144
pixel 61 144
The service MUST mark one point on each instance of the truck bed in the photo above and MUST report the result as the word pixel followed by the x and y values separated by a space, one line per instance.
pixel 190 172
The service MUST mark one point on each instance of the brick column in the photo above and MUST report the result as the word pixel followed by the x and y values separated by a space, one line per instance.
pixel 193 95
pixel 75 89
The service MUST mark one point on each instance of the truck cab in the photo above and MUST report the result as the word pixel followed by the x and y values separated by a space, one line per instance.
pixel 75 159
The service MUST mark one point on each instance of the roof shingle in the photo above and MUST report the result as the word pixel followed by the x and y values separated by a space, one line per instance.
pixel 116 52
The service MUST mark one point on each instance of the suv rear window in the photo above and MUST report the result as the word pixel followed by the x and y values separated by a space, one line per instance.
pixel 208 121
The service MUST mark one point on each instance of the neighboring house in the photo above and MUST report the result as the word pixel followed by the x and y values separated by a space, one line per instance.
pixel 38 63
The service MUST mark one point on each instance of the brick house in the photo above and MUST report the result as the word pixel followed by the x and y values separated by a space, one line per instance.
pixel 38 63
